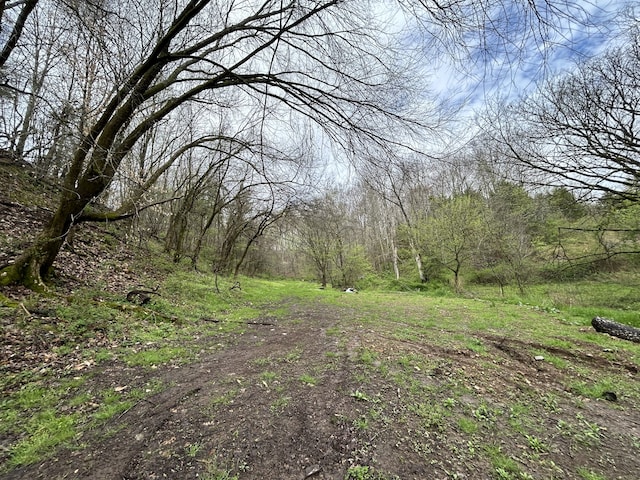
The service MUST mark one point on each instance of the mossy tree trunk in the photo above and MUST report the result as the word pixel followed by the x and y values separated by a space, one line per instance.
pixel 36 262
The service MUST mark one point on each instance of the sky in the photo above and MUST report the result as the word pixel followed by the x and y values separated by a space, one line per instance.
pixel 515 70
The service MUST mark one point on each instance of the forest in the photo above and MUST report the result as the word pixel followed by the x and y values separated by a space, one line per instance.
pixel 261 149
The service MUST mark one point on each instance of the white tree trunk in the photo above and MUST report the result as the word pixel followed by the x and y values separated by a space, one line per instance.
pixel 396 269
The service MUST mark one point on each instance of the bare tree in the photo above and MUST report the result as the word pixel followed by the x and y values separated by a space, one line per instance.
pixel 581 130
pixel 404 184
pixel 304 56
pixel 321 227
pixel 341 65
pixel 23 9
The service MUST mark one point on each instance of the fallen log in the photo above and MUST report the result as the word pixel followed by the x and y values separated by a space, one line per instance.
pixel 142 296
pixel 615 329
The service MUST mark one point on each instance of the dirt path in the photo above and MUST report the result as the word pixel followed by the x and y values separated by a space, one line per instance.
pixel 315 395
pixel 242 408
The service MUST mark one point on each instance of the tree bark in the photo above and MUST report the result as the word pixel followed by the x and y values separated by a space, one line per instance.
pixel 615 329
pixel 36 262
pixel 396 269
pixel 423 278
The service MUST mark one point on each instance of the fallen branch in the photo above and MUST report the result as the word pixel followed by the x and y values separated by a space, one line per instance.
pixel 615 329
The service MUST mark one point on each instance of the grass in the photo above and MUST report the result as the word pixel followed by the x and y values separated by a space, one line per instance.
pixel 467 425
pixel 44 433
pixel 44 413
pixel 308 379
pixel 157 356
pixel 588 474
pixel 279 405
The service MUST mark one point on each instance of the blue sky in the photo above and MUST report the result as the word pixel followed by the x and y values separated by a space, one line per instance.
pixel 513 68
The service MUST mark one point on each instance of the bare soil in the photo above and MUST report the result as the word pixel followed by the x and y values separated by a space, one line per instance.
pixel 244 409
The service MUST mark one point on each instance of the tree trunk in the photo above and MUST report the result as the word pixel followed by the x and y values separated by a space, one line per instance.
pixel 196 251
pixel 323 279
pixel 456 280
pixel 423 278
pixel 396 269
pixel 35 263
pixel 626 332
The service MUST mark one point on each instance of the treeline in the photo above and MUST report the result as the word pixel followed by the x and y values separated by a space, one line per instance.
pixel 206 125
pixel 351 236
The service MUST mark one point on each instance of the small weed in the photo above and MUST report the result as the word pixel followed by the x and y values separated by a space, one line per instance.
pixel 192 449
pixel 224 399
pixel 517 412
pixel 262 361
pixel 268 376
pixel 360 396
pixel 564 427
pixel 214 472
pixel 294 355
pixel 359 472
pixel 363 472
pixel 279 405
pixel 449 402
pixel 550 402
pixel 472 447
pixel 361 423
pixel 504 466
pixel 590 433
pixel 308 379
pixel 587 474
pixel 433 416
pixel 485 414
pixel 536 444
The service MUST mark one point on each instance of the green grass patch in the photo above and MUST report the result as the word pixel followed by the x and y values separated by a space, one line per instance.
pixel 157 356
pixel 224 399
pixel 467 425
pixel 44 433
pixel 367 356
pixel 588 474
pixel 279 404
pixel 111 407
pixel 308 379
pixel 598 388
pixel 505 467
